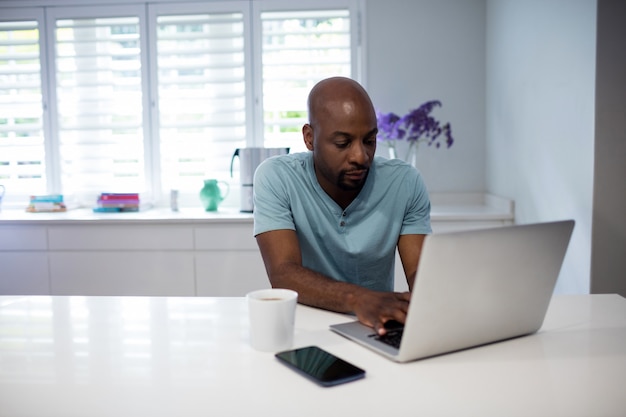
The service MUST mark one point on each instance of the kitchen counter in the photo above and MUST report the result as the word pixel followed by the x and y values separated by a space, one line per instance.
pixel 158 252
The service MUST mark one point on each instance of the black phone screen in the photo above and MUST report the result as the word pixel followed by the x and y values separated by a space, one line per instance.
pixel 322 367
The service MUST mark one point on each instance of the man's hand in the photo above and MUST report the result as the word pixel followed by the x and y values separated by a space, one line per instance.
pixel 374 308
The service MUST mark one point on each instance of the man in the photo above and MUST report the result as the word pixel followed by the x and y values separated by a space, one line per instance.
pixel 328 221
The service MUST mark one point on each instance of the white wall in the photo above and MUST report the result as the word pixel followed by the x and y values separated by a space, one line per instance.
pixel 419 50
pixel 540 117
pixel 516 79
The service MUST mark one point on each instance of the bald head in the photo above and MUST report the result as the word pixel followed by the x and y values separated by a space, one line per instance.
pixel 341 134
pixel 337 96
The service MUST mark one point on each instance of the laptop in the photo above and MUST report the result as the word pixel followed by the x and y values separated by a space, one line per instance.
pixel 473 288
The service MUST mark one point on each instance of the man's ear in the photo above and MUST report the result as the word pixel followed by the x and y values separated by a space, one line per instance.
pixel 307 135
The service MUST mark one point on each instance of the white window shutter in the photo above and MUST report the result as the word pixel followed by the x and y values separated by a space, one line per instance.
pixel 201 96
pixel 22 148
pixel 99 105
pixel 299 48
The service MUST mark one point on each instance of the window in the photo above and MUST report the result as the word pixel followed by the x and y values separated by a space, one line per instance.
pixel 148 97
pixel 99 108
pixel 22 147
pixel 202 93
pixel 299 49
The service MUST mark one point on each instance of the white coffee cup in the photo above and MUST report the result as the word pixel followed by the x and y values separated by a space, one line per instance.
pixel 272 314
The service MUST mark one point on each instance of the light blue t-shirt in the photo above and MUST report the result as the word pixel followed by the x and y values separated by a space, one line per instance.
pixel 355 245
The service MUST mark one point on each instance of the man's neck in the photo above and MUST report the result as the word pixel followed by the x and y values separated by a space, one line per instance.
pixel 342 197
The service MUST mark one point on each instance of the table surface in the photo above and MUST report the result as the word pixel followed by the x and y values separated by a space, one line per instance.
pixel 158 356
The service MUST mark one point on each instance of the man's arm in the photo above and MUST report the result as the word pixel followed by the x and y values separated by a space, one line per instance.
pixel 283 262
pixel 409 249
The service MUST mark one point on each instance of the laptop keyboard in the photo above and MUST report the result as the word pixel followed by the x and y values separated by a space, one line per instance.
pixel 392 338
pixel 393 335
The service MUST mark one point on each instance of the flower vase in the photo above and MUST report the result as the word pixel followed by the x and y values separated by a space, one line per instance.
pixel 392 153
pixel 411 155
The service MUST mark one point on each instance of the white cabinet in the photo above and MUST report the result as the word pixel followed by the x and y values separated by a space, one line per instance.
pixel 225 236
pixel 23 260
pixel 121 259
pixel 160 253
pixel 134 257
pixel 229 273
pixel 155 273
pixel 24 273
pixel 22 237
pixel 228 261
pixel 120 237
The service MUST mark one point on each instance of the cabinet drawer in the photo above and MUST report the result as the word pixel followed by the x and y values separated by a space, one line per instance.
pixel 225 236
pixel 122 273
pixel 24 273
pixel 23 238
pixel 229 274
pixel 107 237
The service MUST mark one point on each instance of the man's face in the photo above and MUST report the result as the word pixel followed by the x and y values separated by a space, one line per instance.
pixel 343 141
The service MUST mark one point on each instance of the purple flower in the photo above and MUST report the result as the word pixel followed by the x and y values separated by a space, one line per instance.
pixel 387 126
pixel 416 126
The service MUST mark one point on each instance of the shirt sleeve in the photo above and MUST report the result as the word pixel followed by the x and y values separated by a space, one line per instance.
pixel 417 215
pixel 272 205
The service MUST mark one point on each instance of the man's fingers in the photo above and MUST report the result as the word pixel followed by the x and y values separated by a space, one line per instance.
pixel 404 296
pixel 375 311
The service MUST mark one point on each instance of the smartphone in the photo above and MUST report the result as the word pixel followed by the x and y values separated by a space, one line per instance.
pixel 320 366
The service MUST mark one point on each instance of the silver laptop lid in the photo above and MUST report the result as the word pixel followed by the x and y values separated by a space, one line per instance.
pixel 482 286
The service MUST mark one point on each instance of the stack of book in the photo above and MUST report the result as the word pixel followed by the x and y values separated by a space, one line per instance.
pixel 46 203
pixel 117 202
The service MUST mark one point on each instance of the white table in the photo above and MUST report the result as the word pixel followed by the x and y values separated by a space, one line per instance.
pixel 151 356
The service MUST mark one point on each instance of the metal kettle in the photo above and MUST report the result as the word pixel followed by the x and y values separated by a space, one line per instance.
pixel 249 160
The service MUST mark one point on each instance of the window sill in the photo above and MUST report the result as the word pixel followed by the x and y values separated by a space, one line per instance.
pixel 445 207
